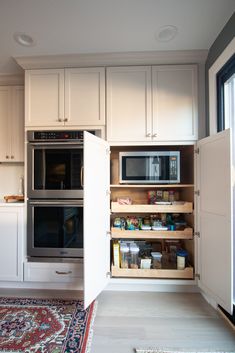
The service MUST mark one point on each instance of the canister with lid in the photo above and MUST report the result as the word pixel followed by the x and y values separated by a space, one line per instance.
pixel 124 252
pixel 134 255
pixel 181 259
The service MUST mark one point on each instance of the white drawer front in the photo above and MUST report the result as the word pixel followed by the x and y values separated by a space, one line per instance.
pixel 53 272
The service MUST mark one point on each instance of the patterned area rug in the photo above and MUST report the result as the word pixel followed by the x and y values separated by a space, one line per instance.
pixel 45 325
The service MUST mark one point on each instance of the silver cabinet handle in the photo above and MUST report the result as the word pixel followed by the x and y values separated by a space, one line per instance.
pixel 148 135
pixel 63 273
pixel 154 135
pixel 82 176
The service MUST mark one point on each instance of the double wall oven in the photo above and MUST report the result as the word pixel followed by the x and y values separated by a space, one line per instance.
pixel 55 193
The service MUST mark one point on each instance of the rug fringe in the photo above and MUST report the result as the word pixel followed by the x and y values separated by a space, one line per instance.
pixel 91 331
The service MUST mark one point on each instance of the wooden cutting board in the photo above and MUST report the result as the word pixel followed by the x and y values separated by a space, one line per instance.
pixel 14 198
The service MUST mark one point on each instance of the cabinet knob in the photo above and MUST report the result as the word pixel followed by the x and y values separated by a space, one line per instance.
pixel 148 135
pixel 7 157
pixel 12 157
pixel 154 135
pixel 60 120
pixel 65 119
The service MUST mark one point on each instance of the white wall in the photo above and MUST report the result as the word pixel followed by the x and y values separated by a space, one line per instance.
pixel 10 178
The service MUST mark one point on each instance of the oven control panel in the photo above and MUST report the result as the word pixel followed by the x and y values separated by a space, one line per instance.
pixel 57 135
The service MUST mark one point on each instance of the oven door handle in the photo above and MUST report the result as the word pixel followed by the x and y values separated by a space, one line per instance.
pixel 54 144
pixel 57 203
pixel 82 176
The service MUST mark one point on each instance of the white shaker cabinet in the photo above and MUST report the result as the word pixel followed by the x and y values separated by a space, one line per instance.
pixel 12 123
pixel 11 240
pixel 151 104
pixel 129 115
pixel 65 97
pixel 174 102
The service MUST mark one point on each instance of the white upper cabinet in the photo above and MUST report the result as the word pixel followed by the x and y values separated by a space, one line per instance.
pixel 65 97
pixel 148 104
pixel 12 123
pixel 85 96
pixel 174 102
pixel 129 104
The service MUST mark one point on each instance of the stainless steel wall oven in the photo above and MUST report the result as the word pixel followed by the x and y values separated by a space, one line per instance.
pixel 55 193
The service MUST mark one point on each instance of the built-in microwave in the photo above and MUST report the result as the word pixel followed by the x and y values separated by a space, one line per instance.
pixel 150 167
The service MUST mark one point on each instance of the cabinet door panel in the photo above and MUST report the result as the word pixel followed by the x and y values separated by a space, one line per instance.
pixel 216 218
pixel 10 246
pixel 129 104
pixel 96 216
pixel 44 91
pixel 175 102
pixel 84 96
pixel 17 124
pixel 5 116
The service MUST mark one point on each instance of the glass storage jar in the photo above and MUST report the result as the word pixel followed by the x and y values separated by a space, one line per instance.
pixel 134 256
pixel 124 252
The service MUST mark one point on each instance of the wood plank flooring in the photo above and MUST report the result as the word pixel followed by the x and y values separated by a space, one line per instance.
pixel 128 320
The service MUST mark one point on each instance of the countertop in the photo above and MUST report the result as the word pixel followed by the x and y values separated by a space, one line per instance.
pixel 3 203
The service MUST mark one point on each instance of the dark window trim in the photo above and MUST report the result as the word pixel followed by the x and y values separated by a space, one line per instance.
pixel 222 76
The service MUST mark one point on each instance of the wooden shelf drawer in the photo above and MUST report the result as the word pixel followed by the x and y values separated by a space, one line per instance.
pixel 186 207
pixel 187 273
pixel 117 233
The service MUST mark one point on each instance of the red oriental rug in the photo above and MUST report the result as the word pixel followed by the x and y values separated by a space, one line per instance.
pixel 45 325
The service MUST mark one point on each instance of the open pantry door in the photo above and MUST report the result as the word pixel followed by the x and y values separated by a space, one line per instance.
pixel 215 222
pixel 96 216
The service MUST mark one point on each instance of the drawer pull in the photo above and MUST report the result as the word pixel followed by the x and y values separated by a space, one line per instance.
pixel 63 273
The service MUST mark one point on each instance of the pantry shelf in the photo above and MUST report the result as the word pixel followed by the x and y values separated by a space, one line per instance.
pixel 186 273
pixel 185 207
pixel 117 233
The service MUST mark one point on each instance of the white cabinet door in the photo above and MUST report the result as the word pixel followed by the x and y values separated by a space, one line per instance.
pixel 85 96
pixel 12 124
pixel 17 124
pixel 96 216
pixel 11 238
pixel 5 115
pixel 215 220
pixel 44 97
pixel 174 102
pixel 129 104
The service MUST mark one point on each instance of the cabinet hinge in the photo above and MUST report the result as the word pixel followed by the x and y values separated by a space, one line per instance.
pixel 197 275
pixel 108 233
pixel 196 150
pixel 108 151
pixel 108 192
pixel 108 274
pixel 197 234
pixel 197 192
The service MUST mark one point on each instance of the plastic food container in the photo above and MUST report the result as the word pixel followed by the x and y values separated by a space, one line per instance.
pixel 134 256
pixel 145 263
pixel 181 259
pixel 124 254
pixel 157 259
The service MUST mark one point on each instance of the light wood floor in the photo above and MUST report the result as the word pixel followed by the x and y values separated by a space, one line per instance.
pixel 128 320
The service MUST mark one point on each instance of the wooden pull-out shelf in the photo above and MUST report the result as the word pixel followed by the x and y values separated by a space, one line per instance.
pixel 117 233
pixel 186 207
pixel 187 273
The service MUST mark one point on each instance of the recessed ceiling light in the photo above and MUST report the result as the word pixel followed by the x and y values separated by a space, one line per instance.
pixel 166 33
pixel 24 39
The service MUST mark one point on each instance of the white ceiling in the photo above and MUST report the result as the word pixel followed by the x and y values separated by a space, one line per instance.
pixel 100 26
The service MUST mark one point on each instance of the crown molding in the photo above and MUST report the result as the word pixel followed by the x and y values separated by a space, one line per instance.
pixel 111 59
pixel 9 79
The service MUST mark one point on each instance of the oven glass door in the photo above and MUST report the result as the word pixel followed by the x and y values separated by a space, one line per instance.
pixel 55 228
pixel 55 170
